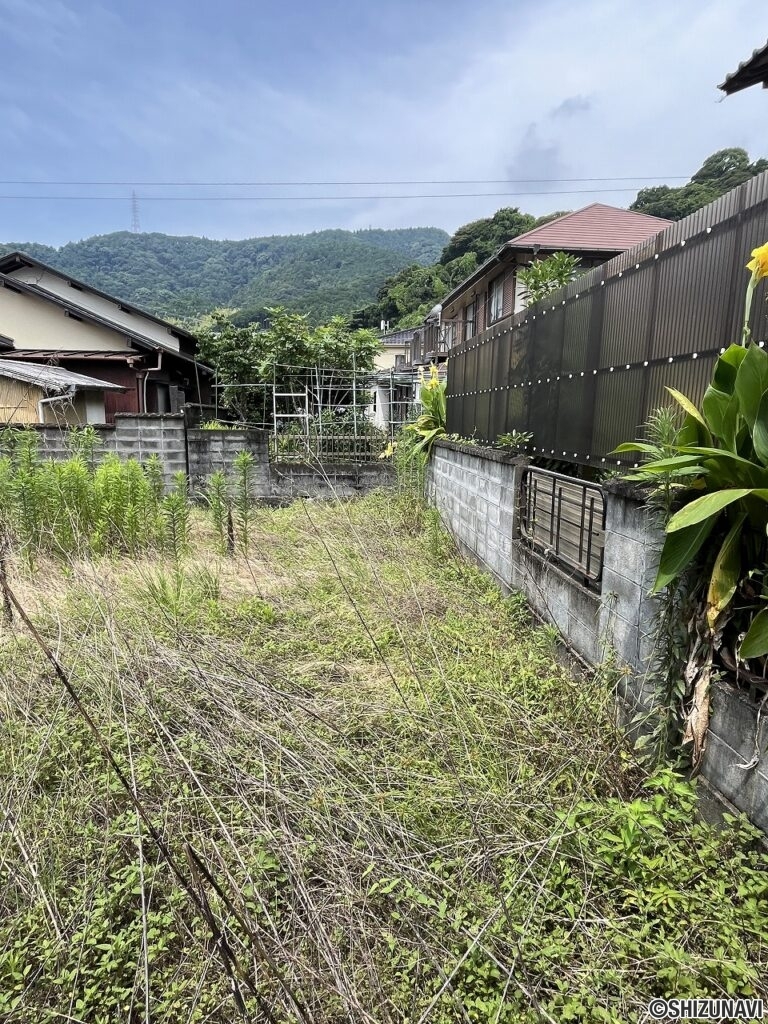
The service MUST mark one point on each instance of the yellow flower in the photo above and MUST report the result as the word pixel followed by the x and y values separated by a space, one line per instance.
pixel 759 263
pixel 434 381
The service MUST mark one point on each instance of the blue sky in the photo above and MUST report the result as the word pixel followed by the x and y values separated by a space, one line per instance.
pixel 337 91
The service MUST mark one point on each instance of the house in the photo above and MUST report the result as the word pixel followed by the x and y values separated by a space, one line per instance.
pixel 395 349
pixel 47 316
pixel 39 393
pixel 753 71
pixel 595 234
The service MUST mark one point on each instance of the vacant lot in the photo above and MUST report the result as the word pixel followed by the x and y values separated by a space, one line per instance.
pixel 367 788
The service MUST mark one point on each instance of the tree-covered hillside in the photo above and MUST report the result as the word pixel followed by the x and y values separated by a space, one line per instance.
pixel 369 275
pixel 406 297
pixel 325 273
pixel 718 174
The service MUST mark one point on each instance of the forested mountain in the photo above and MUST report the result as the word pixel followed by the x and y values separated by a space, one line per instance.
pixel 324 273
pixel 369 275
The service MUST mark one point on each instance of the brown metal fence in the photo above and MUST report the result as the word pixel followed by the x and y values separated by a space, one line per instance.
pixel 582 369
pixel 564 518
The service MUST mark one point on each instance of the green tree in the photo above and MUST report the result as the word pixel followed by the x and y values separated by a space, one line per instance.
pixel 483 237
pixel 728 168
pixel 405 299
pixel 546 275
pixel 718 174
pixel 278 353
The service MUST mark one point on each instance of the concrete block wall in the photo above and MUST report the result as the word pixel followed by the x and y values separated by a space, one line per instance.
pixel 476 491
pixel 54 442
pixel 200 453
pixel 289 480
pixel 632 547
pixel 209 451
pixel 162 434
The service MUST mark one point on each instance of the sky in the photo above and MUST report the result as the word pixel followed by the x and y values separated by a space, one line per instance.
pixel 176 100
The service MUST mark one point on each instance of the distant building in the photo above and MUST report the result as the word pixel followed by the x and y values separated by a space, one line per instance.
pixel 49 317
pixel 753 71
pixel 37 393
pixel 595 235
pixel 396 348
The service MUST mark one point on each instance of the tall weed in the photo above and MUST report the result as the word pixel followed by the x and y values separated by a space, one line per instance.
pixel 78 507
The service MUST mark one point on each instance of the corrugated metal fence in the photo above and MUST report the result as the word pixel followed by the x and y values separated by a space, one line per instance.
pixel 583 368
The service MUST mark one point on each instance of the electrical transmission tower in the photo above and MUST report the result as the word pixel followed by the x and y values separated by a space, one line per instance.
pixel 135 225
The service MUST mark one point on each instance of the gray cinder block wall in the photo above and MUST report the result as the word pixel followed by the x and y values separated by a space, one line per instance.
pixel 289 480
pixel 209 451
pixel 162 434
pixel 131 436
pixel 476 492
pixel 200 453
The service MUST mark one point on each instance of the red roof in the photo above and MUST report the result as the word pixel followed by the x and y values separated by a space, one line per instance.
pixel 596 228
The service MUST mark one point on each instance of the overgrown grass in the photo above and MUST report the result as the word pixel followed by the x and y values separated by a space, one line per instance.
pixel 80 506
pixel 408 807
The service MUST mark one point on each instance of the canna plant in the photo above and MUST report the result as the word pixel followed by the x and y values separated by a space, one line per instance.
pixel 720 468
pixel 432 422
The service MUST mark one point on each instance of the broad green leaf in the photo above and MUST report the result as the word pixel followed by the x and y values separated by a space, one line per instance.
pixel 755 643
pixel 693 431
pixel 687 405
pixel 678 551
pixel 760 429
pixel 716 453
pixel 725 572
pixel 710 505
pixel 671 465
pixel 726 368
pixel 752 383
pixel 721 411
pixel 635 446
pixel 728 469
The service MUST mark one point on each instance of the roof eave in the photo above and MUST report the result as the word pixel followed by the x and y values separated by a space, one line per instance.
pixel 22 259
pixel 134 339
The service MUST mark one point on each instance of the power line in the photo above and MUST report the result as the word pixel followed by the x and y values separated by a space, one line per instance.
pixel 428 181
pixel 321 198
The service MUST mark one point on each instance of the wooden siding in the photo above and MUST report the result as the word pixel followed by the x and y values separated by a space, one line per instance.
pixel 19 404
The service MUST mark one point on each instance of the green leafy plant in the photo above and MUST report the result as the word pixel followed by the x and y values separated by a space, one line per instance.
pixel 243 500
pixel 219 505
pixel 175 511
pixel 432 422
pixel 217 425
pixel 78 507
pixel 720 463
pixel 547 275
pixel 515 439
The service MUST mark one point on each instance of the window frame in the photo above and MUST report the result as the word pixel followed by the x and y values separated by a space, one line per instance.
pixel 470 322
pixel 496 292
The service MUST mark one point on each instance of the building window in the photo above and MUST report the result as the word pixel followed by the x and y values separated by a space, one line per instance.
pixel 496 299
pixel 469 321
pixel 448 335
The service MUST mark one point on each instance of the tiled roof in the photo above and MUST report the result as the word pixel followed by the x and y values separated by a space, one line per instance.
pixel 596 228
pixel 752 71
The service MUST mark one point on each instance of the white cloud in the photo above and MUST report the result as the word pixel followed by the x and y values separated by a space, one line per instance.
pixel 605 87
